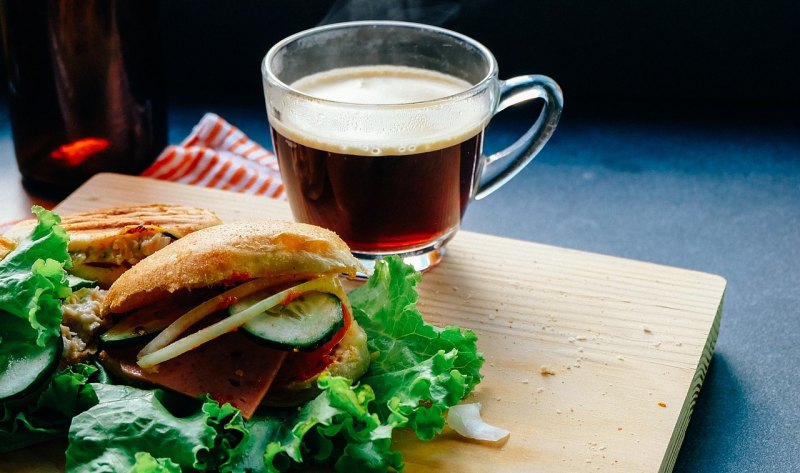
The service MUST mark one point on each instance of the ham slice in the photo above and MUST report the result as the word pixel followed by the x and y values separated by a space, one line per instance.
pixel 231 368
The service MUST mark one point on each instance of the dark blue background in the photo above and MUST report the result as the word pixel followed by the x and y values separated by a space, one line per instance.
pixel 679 144
pixel 600 51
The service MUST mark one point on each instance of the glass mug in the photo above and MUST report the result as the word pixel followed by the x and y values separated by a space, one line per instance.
pixel 378 129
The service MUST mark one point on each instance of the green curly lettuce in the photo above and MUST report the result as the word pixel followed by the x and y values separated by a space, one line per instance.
pixel 337 427
pixel 418 371
pixel 127 421
pixel 49 416
pixel 32 283
pixel 33 280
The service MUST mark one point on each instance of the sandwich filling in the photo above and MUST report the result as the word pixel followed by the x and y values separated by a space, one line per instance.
pixel 236 344
pixel 132 245
pixel 81 322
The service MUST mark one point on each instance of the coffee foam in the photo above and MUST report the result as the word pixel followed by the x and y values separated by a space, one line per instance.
pixel 340 119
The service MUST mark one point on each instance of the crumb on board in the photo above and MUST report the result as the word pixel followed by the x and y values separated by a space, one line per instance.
pixel 662 404
pixel 545 370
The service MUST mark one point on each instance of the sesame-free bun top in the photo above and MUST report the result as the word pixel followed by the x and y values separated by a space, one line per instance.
pixel 229 253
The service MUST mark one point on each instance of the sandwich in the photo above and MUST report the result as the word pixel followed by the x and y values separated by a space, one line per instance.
pixel 105 243
pixel 246 314
pixel 249 312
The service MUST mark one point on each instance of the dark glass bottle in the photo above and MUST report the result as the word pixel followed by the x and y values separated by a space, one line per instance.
pixel 86 89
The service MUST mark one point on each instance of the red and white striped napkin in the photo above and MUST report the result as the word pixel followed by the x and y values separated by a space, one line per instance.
pixel 217 154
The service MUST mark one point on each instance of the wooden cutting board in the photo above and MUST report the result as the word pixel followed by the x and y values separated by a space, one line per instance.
pixel 592 362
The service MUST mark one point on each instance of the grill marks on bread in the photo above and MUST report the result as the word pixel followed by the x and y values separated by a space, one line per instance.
pixel 104 243
pixel 178 220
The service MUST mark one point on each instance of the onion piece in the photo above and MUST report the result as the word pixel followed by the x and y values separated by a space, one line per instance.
pixel 324 284
pixel 187 320
pixel 466 420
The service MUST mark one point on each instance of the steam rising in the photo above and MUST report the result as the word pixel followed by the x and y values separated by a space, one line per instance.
pixel 418 11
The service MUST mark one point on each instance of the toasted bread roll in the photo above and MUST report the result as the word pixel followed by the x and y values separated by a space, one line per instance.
pixel 230 253
pixel 104 243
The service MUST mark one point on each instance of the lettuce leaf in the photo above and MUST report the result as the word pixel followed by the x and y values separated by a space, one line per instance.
pixel 49 416
pixel 337 426
pixel 32 277
pixel 32 284
pixel 128 421
pixel 418 370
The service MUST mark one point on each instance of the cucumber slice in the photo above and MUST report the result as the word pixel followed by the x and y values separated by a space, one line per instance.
pixel 139 327
pixel 304 324
pixel 25 366
pixel 77 282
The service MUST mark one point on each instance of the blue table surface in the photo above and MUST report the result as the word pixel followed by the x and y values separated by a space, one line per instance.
pixel 715 194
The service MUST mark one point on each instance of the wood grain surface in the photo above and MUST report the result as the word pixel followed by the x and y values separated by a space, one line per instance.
pixel 626 344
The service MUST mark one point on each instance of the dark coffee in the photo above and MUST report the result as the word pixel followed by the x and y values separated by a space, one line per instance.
pixel 380 203
pixel 392 180
pixel 86 91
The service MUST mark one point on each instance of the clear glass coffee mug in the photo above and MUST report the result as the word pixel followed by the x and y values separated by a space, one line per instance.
pixel 378 129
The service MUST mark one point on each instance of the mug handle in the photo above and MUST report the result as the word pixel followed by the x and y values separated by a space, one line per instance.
pixel 512 92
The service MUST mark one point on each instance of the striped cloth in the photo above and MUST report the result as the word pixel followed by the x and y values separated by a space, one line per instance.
pixel 219 155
